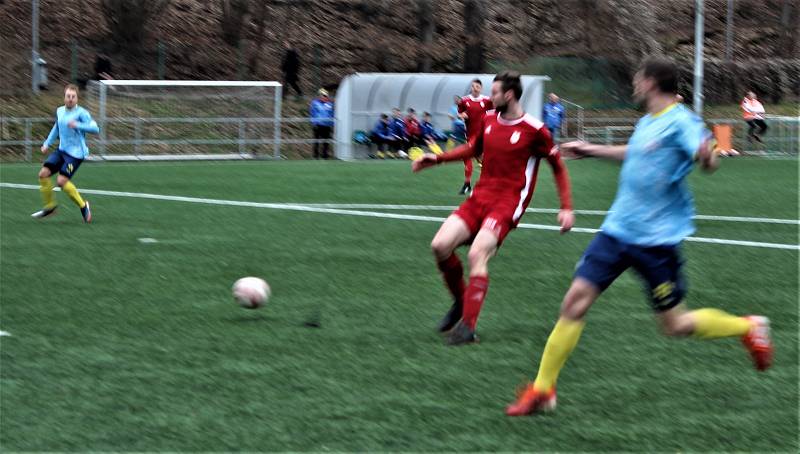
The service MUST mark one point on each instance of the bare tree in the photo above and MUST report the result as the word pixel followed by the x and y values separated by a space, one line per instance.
pixel 474 19
pixel 427 24
pixel 232 20
pixel 128 19
pixel 788 31
pixel 635 27
pixel 260 18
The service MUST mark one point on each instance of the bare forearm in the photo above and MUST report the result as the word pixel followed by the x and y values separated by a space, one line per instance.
pixel 561 177
pixel 457 154
pixel 613 152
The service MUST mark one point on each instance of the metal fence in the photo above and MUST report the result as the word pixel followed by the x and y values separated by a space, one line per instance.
pixel 247 138
pixel 136 138
pixel 573 120
pixel 781 139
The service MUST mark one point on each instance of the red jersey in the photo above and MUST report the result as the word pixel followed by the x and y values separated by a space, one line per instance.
pixel 475 108
pixel 512 151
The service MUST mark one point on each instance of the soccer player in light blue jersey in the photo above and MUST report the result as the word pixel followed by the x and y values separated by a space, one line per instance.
pixel 651 215
pixel 72 124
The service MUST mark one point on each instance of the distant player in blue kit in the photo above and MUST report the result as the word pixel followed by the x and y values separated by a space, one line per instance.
pixel 650 217
pixel 72 124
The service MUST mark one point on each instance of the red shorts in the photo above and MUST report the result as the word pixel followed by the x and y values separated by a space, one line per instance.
pixel 495 214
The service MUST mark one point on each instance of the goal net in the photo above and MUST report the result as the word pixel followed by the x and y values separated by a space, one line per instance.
pixel 167 119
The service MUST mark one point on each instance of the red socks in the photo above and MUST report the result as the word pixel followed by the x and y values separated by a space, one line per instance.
pixel 473 299
pixel 453 274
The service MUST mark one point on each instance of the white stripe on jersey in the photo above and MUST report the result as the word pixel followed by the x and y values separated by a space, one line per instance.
pixel 528 118
pixel 530 169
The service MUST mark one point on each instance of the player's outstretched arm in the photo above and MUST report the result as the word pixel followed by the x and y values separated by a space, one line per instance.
pixel 456 154
pixel 566 218
pixel 579 149
pixel 424 161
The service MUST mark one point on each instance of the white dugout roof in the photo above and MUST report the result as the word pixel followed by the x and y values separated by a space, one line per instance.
pixel 362 97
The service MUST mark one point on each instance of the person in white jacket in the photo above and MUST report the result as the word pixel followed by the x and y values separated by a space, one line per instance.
pixel 753 113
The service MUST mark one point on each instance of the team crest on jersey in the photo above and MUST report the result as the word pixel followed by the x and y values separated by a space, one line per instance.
pixel 488 129
pixel 515 137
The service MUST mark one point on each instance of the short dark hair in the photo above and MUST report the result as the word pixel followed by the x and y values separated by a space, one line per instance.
pixel 384 117
pixel 477 81
pixel 664 71
pixel 411 110
pixel 426 114
pixel 510 80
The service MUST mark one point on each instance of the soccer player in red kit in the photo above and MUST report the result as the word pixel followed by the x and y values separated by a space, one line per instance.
pixel 512 144
pixel 472 108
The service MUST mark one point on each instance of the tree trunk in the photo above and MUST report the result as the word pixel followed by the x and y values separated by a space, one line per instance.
pixel 128 20
pixel 260 16
pixel 427 24
pixel 787 43
pixel 474 19
pixel 232 20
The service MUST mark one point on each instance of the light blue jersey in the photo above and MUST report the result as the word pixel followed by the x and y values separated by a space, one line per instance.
pixel 654 205
pixel 457 121
pixel 72 141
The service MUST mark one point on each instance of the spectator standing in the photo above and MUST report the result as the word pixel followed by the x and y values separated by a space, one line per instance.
pixel 321 111
pixel 553 116
pixel 290 66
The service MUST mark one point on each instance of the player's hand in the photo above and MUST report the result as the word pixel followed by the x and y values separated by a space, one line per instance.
pixel 463 115
pixel 427 160
pixel 44 149
pixel 708 157
pixel 73 124
pixel 567 219
pixel 576 149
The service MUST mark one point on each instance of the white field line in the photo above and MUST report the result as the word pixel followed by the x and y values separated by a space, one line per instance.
pixel 409 217
pixel 703 217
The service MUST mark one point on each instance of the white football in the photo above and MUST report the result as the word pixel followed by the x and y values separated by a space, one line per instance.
pixel 251 292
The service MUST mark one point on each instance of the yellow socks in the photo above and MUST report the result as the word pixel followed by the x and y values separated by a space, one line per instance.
pixel 714 323
pixel 46 188
pixel 560 344
pixel 72 192
pixel 708 324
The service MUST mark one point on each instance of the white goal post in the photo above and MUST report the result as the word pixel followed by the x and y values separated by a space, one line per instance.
pixel 185 119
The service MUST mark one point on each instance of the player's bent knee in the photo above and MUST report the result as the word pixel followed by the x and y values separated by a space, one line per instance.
pixel 44 172
pixel 578 299
pixel 62 180
pixel 441 249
